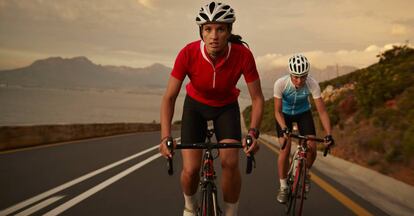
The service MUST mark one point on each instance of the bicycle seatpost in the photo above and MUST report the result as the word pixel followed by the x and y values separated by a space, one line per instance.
pixel 210 133
pixel 170 146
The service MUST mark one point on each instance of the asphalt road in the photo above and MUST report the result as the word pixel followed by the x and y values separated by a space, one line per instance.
pixel 125 175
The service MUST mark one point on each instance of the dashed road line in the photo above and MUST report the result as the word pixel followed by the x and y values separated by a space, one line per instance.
pixel 39 206
pixel 50 192
pixel 99 187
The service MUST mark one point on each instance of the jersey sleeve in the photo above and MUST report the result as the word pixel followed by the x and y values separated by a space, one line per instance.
pixel 278 88
pixel 314 88
pixel 250 71
pixel 179 70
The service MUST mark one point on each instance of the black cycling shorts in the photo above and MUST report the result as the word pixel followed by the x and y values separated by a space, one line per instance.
pixel 304 121
pixel 226 121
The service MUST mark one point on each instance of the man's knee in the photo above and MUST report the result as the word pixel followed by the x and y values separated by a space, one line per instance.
pixel 230 161
pixel 312 148
pixel 191 171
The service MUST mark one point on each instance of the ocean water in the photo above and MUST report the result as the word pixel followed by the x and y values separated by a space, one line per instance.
pixel 37 106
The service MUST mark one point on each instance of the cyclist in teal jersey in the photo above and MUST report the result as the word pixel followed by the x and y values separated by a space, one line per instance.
pixel 291 101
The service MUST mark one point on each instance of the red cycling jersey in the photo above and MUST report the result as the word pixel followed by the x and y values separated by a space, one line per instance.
pixel 214 85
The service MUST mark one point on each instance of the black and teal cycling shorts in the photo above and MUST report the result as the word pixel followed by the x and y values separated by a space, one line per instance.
pixel 304 120
pixel 226 121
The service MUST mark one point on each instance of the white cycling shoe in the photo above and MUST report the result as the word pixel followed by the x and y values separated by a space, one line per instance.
pixel 188 212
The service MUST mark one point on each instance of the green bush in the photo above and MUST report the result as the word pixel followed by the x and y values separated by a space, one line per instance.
pixel 393 155
pixel 375 143
pixel 385 117
pixel 408 142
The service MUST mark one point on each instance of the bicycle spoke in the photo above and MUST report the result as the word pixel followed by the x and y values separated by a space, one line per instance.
pixel 302 187
pixel 295 188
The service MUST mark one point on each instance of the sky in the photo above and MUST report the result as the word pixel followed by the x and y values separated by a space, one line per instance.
pixel 139 33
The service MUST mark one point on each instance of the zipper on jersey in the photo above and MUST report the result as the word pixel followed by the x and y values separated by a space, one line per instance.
pixel 214 73
pixel 211 63
pixel 294 102
pixel 214 77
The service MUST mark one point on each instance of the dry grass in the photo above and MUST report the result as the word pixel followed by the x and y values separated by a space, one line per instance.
pixel 353 144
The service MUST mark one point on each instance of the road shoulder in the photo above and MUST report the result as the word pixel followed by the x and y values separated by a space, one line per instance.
pixel 392 196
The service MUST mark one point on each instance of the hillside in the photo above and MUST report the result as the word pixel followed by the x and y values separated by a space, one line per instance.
pixel 372 113
pixel 81 73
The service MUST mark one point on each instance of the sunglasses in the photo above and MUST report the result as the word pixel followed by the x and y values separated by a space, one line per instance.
pixel 300 77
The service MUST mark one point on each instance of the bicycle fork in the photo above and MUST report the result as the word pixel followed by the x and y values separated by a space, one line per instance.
pixel 208 188
pixel 298 162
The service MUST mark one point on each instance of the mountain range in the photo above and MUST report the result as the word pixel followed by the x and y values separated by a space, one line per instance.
pixel 81 73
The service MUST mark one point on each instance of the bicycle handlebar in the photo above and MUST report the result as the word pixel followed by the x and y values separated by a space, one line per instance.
pixel 209 145
pixel 306 138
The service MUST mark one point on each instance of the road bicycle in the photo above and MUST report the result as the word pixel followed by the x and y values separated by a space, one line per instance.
pixel 208 190
pixel 297 174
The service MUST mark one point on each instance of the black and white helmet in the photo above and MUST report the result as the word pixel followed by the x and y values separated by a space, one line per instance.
pixel 215 12
pixel 299 65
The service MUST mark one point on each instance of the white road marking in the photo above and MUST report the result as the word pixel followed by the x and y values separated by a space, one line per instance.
pixel 39 206
pixel 99 187
pixel 50 192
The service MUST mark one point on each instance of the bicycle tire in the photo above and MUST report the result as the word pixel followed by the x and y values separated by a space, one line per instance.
pixel 293 188
pixel 203 204
pixel 209 201
pixel 289 182
pixel 216 208
pixel 302 188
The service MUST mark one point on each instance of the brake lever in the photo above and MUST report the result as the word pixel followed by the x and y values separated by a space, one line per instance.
pixel 170 146
pixel 251 162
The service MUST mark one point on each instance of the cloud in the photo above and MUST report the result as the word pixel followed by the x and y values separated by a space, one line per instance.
pixel 147 3
pixel 399 30
pixel 12 58
pixel 2 4
pixel 322 59
pixel 94 11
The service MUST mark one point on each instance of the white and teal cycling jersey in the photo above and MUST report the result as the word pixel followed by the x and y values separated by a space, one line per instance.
pixel 295 101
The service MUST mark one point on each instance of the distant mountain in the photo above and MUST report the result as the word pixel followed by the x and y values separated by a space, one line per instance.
pixel 80 72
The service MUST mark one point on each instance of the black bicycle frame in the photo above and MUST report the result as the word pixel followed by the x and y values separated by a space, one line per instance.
pixel 209 203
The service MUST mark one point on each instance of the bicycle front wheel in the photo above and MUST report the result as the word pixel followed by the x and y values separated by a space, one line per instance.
pixel 209 205
pixel 301 189
pixel 296 185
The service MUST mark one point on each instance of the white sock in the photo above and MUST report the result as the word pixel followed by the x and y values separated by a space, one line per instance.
pixel 283 183
pixel 230 209
pixel 190 202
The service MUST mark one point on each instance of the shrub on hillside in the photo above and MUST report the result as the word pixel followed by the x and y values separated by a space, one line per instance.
pixel 396 51
pixel 385 117
pixel 408 142
pixel 386 80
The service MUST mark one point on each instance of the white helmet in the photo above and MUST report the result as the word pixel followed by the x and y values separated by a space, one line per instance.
pixel 299 65
pixel 215 12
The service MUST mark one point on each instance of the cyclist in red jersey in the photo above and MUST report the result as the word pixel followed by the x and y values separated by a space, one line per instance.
pixel 214 65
